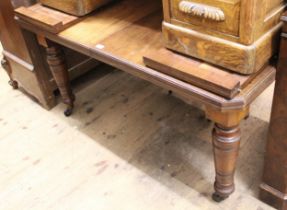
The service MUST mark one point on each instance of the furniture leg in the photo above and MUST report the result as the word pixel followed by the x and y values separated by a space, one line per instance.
pixel 5 64
pixel 226 143
pixel 56 61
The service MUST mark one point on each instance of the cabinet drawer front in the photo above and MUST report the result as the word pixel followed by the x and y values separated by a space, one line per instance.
pixel 217 15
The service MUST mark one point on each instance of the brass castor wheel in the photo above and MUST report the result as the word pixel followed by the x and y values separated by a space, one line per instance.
pixel 218 198
pixel 14 84
pixel 68 112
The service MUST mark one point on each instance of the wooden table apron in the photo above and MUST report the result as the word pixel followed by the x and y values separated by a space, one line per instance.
pixel 227 114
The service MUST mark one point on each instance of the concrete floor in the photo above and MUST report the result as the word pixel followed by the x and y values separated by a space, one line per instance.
pixel 129 146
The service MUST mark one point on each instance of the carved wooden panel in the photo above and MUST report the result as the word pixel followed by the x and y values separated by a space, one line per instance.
pixel 214 15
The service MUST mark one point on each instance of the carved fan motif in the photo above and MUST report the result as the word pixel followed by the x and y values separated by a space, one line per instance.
pixel 201 10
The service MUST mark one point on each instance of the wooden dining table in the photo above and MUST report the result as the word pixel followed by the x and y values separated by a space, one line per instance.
pixel 127 35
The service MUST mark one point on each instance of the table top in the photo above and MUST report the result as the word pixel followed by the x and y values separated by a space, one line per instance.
pixel 122 33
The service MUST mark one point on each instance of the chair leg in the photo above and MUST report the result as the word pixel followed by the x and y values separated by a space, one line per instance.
pixel 56 61
pixel 6 66
pixel 226 143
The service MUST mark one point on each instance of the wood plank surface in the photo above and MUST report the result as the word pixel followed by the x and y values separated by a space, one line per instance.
pixel 49 19
pixel 108 21
pixel 193 71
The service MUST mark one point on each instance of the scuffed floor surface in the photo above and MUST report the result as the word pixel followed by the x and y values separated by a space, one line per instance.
pixel 129 146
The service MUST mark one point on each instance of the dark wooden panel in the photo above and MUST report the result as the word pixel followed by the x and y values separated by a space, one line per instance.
pixel 274 186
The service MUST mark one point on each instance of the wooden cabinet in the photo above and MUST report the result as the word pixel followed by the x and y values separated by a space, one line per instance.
pixel 239 35
pixel 18 61
pixel 27 66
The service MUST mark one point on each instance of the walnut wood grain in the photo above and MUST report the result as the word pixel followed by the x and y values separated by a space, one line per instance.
pixel 226 143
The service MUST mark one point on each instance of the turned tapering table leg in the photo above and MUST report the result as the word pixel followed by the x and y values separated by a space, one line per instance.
pixel 6 66
pixel 56 61
pixel 226 143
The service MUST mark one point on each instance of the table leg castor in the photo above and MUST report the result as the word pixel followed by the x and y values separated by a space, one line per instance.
pixel 69 111
pixel 14 84
pixel 218 198
pixel 6 66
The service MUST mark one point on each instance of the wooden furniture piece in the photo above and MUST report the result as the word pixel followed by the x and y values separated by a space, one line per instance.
pixel 274 185
pixel 75 7
pixel 27 66
pixel 17 60
pixel 236 34
pixel 122 38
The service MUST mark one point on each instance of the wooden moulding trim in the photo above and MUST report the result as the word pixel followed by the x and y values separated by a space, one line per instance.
pixel 18 60
pixel 155 77
pixel 248 48
pixel 258 86
pixel 209 37
pixel 273 13
pixel 245 65
pixel 273 191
